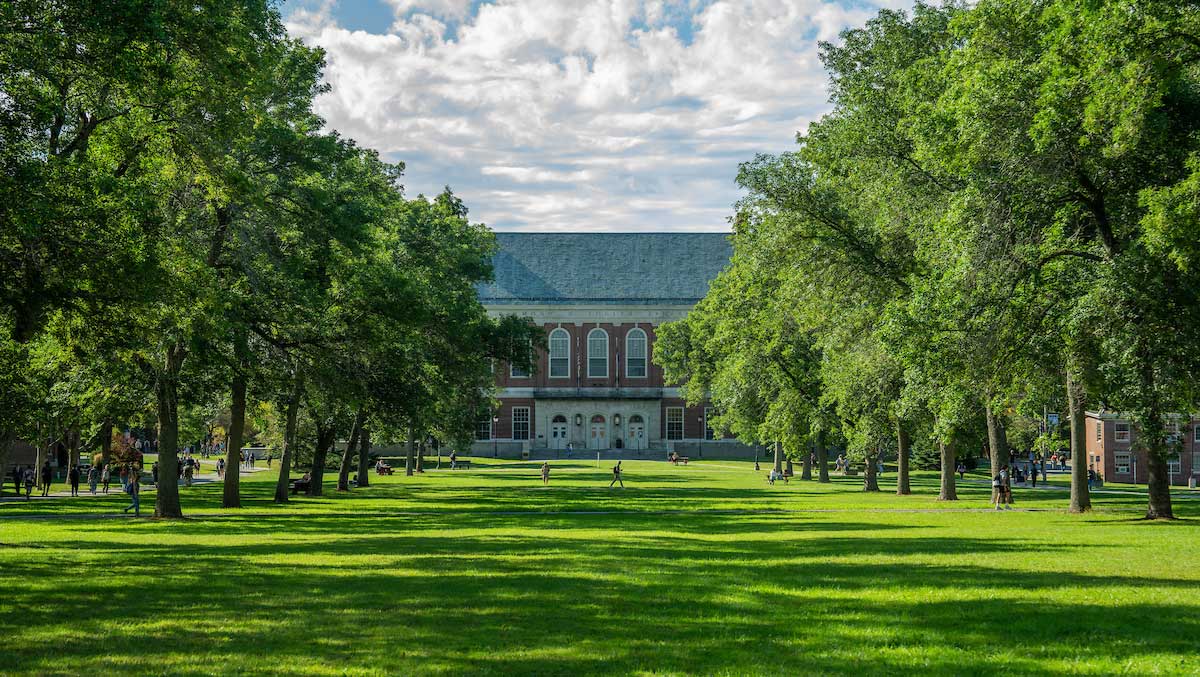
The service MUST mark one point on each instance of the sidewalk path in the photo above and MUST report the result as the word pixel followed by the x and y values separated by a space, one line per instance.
pixel 114 487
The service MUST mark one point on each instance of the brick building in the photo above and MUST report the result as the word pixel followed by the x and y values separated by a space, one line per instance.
pixel 600 297
pixel 1113 454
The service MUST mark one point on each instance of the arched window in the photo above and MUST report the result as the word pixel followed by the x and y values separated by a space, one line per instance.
pixel 635 353
pixel 560 353
pixel 597 353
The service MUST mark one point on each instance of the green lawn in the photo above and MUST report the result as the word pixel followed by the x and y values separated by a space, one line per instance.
pixel 701 569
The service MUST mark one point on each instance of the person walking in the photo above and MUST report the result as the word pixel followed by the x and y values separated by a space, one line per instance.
pixel 270 457
pixel 29 481
pixel 73 480
pixel 135 494
pixel 221 468
pixel 105 475
pixel 93 478
pixel 187 475
pixel 47 478
pixel 18 474
pixel 1006 486
pixel 616 476
pixel 453 460
pixel 961 470
pixel 153 474
pixel 998 491
pixel 546 473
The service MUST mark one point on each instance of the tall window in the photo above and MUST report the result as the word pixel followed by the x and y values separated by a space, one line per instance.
pixel 1122 432
pixel 560 353
pixel 1122 463
pixel 597 353
pixel 517 372
pixel 708 431
pixel 520 420
pixel 483 431
pixel 1099 431
pixel 1196 433
pixel 635 353
pixel 674 423
pixel 1173 467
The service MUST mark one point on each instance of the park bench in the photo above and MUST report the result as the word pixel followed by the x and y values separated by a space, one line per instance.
pixel 681 459
pixel 385 470
pixel 461 464
pixel 300 485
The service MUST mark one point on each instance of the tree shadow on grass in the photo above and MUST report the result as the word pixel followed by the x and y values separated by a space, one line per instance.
pixel 466 595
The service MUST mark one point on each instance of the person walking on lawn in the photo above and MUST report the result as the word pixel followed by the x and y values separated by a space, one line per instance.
pixel 18 475
pixel 135 493
pixel 73 480
pixel 93 478
pixel 616 476
pixel 47 478
pixel 546 472
pixel 29 480
pixel 105 476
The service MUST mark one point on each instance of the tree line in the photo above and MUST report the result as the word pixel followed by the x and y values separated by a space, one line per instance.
pixel 180 233
pixel 999 214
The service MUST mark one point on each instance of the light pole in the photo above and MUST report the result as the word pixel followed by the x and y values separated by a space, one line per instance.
pixel 495 440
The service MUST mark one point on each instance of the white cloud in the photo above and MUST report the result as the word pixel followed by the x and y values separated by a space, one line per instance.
pixel 580 114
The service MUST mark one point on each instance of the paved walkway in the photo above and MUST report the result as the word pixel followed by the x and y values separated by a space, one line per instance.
pixel 114 487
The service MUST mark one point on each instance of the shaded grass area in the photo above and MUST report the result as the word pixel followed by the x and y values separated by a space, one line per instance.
pixel 497 575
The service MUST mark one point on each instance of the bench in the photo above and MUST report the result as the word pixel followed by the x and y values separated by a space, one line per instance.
pixel 385 470
pixel 300 485
pixel 460 464
pixel 681 459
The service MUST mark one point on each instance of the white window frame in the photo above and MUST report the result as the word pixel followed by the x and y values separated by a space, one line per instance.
pixel 671 414
pixel 565 337
pixel 1099 431
pixel 1174 464
pixel 645 358
pixel 524 420
pixel 1118 434
pixel 709 433
pixel 1196 433
pixel 1196 462
pixel 479 428
pixel 1122 461
pixel 597 332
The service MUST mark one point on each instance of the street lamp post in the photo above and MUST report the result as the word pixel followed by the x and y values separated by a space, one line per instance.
pixel 495 439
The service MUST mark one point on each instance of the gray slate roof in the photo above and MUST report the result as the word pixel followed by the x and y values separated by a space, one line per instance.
pixel 616 268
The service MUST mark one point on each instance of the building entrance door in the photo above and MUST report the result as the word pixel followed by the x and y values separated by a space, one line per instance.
pixel 599 436
pixel 636 432
pixel 558 433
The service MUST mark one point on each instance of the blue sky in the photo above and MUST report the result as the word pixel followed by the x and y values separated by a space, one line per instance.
pixel 576 115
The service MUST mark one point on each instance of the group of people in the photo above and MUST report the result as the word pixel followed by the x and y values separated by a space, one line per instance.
pixel 97 476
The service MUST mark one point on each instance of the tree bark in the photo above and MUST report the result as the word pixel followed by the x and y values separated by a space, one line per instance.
pixel 871 474
pixel 421 454
pixel 7 439
pixel 806 466
pixel 822 459
pixel 343 483
pixel 106 431
pixel 364 458
pixel 903 444
pixel 326 435
pixel 1159 489
pixel 409 453
pixel 166 501
pixel 779 457
pixel 283 484
pixel 1081 500
pixel 947 491
pixel 232 496
pixel 997 443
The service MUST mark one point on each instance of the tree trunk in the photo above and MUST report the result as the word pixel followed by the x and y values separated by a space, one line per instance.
pixel 106 431
pixel 73 440
pixel 1159 506
pixel 166 501
pixel 903 442
pixel 806 466
pixel 409 459
pixel 343 483
pixel 7 439
pixel 232 496
pixel 364 458
pixel 326 436
pixel 421 454
pixel 283 485
pixel 822 459
pixel 871 474
pixel 1081 500
pixel 947 492
pixel 779 457
pixel 997 443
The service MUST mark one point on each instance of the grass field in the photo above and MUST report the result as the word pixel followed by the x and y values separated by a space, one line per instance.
pixel 702 569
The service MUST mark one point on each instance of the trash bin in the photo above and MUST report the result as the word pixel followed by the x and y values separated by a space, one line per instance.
pixel 1192 482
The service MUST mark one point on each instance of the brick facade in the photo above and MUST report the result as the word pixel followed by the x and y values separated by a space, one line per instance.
pixel 1114 454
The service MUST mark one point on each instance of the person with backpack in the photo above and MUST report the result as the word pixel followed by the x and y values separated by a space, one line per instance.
pixel 134 488
pixel 616 476
pixel 998 490
pixel 105 476
pixel 29 481
pixel 93 478
pixel 962 469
